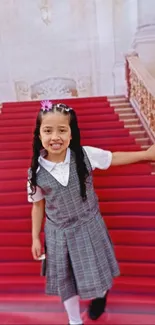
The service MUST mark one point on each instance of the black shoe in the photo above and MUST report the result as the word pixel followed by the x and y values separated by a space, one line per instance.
pixel 97 307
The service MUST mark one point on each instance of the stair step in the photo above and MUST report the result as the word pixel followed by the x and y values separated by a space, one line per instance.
pixel 22 225
pixel 131 222
pixel 133 127
pixel 22 239
pixel 134 284
pixel 136 238
pixel 15 154
pixel 131 121
pixel 138 134
pixel 137 269
pixel 121 101
pixel 81 119
pixel 135 169
pixel 124 238
pixel 108 208
pixel 83 126
pixel 128 110
pixel 27 153
pixel 133 254
pixel 80 113
pixel 20 268
pixel 36 108
pixel 26 284
pixel 33 268
pixel 15 165
pixel 119 133
pixel 127 116
pixel 87 126
pixel 137 254
pixel 43 301
pixel 127 181
pixel 4 130
pixel 20 145
pixel 113 194
pixel 145 146
pixel 143 141
pixel 120 104
pixel 118 222
pixel 115 208
pixel 16 172
pixel 34 284
pixel 18 183
pixel 15 211
pixel 117 98
pixel 124 194
pixel 68 101
pixel 13 198
pixel 13 185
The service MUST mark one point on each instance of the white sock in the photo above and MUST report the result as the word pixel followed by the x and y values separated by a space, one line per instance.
pixel 72 307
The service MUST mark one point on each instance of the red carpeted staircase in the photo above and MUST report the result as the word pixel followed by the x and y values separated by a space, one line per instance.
pixel 127 202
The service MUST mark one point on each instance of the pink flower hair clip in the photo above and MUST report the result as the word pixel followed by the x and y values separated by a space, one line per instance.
pixel 46 105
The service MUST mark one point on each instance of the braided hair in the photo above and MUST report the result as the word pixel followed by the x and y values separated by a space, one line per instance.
pixel 75 146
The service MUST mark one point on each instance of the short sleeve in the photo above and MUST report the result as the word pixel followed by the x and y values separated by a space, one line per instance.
pixel 38 196
pixel 98 158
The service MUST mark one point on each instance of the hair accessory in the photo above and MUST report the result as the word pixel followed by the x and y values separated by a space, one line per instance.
pixel 66 108
pixel 46 105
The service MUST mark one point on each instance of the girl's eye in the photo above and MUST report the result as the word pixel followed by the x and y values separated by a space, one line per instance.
pixel 47 131
pixel 62 131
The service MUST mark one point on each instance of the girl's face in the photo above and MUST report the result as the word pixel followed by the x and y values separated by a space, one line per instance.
pixel 55 135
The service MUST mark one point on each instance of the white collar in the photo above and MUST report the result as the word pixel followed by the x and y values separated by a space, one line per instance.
pixel 49 165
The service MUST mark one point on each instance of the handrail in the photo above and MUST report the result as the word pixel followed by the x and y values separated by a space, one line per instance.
pixel 141 92
pixel 143 74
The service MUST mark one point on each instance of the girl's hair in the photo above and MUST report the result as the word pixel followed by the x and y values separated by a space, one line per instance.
pixel 75 146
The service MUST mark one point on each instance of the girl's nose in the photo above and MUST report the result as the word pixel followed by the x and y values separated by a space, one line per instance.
pixel 54 136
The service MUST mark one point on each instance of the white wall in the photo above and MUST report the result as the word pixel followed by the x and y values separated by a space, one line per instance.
pixel 124 25
pixel 144 40
pixel 81 52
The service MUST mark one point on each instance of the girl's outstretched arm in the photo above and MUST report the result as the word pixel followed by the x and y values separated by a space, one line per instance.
pixel 124 158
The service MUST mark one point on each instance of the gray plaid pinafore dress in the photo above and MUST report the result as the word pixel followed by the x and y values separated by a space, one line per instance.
pixel 80 255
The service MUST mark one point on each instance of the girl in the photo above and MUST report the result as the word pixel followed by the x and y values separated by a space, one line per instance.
pixel 79 253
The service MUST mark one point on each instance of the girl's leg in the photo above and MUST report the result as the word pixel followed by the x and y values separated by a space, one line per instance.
pixel 97 307
pixel 72 307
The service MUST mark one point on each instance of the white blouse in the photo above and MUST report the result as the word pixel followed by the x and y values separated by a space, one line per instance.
pixel 60 171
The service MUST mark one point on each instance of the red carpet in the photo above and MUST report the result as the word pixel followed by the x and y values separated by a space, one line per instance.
pixel 126 196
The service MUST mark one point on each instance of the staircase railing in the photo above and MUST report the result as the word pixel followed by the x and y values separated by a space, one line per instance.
pixel 141 92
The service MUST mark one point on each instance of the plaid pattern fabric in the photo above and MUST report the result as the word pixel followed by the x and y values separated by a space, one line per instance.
pixel 80 256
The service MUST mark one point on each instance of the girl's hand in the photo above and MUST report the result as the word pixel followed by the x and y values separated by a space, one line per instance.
pixel 150 153
pixel 36 248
